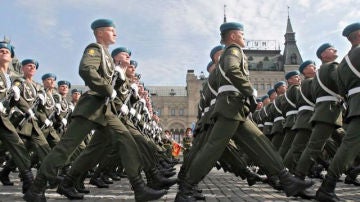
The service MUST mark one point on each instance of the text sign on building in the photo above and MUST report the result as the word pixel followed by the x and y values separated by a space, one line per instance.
pixel 261 44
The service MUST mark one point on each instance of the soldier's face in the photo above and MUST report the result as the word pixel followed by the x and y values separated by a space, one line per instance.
pixel 309 71
pixel 239 38
pixel 75 96
pixel 63 89
pixel 29 70
pixel 130 71
pixel 122 58
pixel 5 55
pixel 108 34
pixel 49 83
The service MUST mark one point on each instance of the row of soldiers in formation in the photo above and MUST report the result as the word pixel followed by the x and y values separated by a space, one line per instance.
pixel 298 124
pixel 111 126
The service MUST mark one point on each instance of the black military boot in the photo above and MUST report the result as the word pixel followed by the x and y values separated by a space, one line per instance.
pixel 79 185
pixel 4 176
pixel 27 180
pixel 197 193
pixel 291 184
pixel 97 181
pixel 252 177
pixel 351 177
pixel 274 181
pixel 306 193
pixel 156 181
pixel 67 188
pixel 144 193
pixel 326 192
pixel 185 193
pixel 105 178
pixel 36 193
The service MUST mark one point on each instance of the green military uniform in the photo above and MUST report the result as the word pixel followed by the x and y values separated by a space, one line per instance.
pixel 187 143
pixel 231 113
pixel 8 134
pixel 326 118
pixel 302 124
pixel 29 129
pixel 96 68
pixel 267 122
pixel 290 111
pixel 277 118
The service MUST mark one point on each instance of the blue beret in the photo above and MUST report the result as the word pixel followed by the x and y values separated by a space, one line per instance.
pixel 278 84
pixel 264 97
pixel 292 73
pixel 351 28
pixel 216 49
pixel 48 75
pixel 271 91
pixel 9 47
pixel 209 65
pixel 102 23
pixel 119 50
pixel 134 63
pixel 231 26
pixel 30 61
pixel 258 100
pixel 75 91
pixel 305 64
pixel 322 48
pixel 62 82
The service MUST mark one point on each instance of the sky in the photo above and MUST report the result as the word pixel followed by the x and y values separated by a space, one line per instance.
pixel 166 37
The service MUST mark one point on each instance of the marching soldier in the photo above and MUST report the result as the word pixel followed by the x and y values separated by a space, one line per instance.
pixel 9 137
pixel 264 114
pixel 327 110
pixel 94 111
pixel 230 113
pixel 348 77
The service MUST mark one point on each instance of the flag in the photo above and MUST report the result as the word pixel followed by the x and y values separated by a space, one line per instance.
pixel 176 148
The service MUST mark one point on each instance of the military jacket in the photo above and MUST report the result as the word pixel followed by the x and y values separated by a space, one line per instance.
pixel 289 106
pixel 303 116
pixel 8 103
pixel 328 111
pixel 96 69
pixel 266 119
pixel 275 113
pixel 347 80
pixel 231 104
pixel 28 100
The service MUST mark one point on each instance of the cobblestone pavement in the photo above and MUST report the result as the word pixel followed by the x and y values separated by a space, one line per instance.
pixel 217 186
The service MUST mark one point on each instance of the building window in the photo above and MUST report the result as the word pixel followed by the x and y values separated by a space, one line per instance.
pixel 256 86
pixel 262 86
pixel 172 112
pixel 268 86
pixel 181 112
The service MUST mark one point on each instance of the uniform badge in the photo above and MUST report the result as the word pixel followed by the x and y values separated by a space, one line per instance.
pixel 234 52
pixel 91 52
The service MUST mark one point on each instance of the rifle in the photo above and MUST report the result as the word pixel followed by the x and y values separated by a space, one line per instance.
pixel 113 82
pixel 127 99
pixel 27 118
pixel 62 127
pixel 50 117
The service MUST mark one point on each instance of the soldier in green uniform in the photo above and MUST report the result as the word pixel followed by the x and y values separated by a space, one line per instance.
pixel 9 96
pixel 305 104
pixel 187 140
pixel 166 141
pixel 47 112
pixel 276 116
pixel 94 111
pixel 289 108
pixel 230 113
pixel 256 117
pixel 32 97
pixel 327 114
pixel 348 77
pixel 264 114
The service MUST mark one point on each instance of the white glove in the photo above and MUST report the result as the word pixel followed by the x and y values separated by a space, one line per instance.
pixel 124 109
pixel 138 116
pixel 42 98
pixel 58 108
pixel 16 91
pixel 113 94
pixel 121 72
pixel 135 88
pixel 64 121
pixel 255 93
pixel 132 111
pixel 31 113
pixel 48 123
pixel 72 107
pixel 2 108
